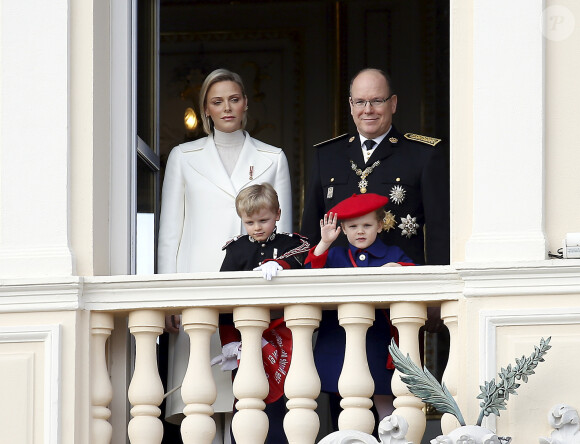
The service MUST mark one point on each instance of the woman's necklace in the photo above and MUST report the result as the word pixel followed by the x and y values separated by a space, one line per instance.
pixel 363 183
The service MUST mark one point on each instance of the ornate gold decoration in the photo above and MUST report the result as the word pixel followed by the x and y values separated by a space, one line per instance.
pixel 393 140
pixel 363 183
pixel 389 221
pixel 424 139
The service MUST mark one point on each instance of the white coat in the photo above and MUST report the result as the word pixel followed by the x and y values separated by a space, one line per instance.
pixel 198 214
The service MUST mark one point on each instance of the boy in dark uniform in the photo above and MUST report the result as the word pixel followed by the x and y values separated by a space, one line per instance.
pixel 361 218
pixel 265 250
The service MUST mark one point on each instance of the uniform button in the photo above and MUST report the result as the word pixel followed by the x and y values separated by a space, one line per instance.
pixel 263 245
pixel 262 253
pixel 362 257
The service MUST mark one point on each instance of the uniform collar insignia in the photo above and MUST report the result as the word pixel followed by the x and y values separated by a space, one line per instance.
pixel 271 238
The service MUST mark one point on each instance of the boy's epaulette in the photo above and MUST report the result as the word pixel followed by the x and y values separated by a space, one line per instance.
pixel 424 139
pixel 343 136
pixel 231 241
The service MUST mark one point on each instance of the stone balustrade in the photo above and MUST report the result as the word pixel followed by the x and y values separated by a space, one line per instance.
pixel 303 294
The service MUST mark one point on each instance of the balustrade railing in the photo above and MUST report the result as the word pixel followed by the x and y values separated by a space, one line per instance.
pixel 303 294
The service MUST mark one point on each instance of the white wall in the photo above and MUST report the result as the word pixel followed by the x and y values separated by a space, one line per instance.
pixel 34 139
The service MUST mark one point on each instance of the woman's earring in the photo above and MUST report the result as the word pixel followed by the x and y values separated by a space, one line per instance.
pixel 246 108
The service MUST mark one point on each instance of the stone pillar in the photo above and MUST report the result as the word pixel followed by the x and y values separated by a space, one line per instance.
pixel 101 387
pixel 302 386
pixel 199 389
pixel 146 390
pixel 250 423
pixel 34 172
pixel 508 132
pixel 355 384
pixel 409 317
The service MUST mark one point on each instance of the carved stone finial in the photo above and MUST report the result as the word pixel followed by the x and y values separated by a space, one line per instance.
pixel 564 419
pixel 392 430
pixel 471 435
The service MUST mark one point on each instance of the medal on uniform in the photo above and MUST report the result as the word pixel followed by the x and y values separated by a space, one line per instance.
pixel 363 183
pixel 363 186
pixel 397 194
pixel 330 192
pixel 251 172
pixel 389 221
pixel 408 226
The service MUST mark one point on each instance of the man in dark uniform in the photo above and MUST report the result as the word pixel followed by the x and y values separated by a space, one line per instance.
pixel 408 168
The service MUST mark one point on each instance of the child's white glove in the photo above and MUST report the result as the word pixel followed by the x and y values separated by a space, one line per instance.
pixel 228 359
pixel 269 269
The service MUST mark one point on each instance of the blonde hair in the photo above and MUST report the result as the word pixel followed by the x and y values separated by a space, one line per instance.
pixel 219 75
pixel 256 197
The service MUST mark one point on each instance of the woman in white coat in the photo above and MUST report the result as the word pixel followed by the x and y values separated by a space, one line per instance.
pixel 198 214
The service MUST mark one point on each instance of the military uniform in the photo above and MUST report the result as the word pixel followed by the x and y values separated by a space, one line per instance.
pixel 410 170
pixel 244 253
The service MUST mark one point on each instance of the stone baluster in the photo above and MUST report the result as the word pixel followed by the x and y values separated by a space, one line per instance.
pixel 409 317
pixel 101 387
pixel 355 384
pixel 250 423
pixel 449 314
pixel 302 386
pixel 199 390
pixel 146 390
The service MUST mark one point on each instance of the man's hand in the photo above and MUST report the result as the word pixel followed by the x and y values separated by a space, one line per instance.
pixel 172 323
pixel 269 269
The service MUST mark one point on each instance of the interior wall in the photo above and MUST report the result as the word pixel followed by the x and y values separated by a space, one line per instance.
pixel 297 59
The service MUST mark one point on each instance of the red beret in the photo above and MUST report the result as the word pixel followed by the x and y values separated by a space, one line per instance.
pixel 358 205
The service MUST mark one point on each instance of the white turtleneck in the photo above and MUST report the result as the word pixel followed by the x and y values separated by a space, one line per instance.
pixel 229 146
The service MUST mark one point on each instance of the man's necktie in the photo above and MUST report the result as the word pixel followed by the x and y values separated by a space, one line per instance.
pixel 369 143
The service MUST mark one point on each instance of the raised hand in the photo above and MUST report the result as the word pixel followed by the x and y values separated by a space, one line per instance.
pixel 329 230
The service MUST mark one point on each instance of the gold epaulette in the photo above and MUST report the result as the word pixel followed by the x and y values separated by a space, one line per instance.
pixel 424 139
pixel 342 136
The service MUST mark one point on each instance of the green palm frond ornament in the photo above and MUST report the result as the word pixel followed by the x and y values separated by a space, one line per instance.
pixel 494 395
